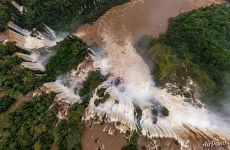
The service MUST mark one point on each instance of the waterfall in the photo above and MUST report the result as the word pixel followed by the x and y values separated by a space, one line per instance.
pixel 92 53
pixel 67 87
pixel 49 33
pixel 15 27
pixel 33 66
pixel 29 40
pixel 33 42
pixel 17 6
pixel 119 108
pixel 33 57
pixel 130 85
pixel 36 60
pixel 63 92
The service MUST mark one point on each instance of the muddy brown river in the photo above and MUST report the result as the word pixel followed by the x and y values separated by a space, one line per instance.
pixel 127 23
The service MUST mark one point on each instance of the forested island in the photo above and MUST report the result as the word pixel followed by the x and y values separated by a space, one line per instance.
pixel 197 45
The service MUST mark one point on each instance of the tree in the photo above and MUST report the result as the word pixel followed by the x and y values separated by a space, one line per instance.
pixel 196 44
pixel 5 14
pixel 59 14
pixel 5 103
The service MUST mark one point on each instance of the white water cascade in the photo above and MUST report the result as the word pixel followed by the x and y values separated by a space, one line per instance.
pixel 29 40
pixel 33 57
pixel 130 85
pixel 15 27
pixel 36 60
pixel 33 66
pixel 17 6
pixel 136 89
pixel 35 43
pixel 67 86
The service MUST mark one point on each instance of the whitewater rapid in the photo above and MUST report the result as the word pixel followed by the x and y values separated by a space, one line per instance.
pixel 122 61
pixel 115 33
pixel 129 81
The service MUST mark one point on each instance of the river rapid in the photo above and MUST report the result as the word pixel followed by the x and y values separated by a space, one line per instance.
pixel 115 34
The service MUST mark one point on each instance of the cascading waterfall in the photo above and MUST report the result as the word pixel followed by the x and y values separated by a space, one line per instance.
pixel 183 123
pixel 29 40
pixel 15 27
pixel 33 66
pixel 67 86
pixel 33 57
pixel 49 33
pixel 36 60
pixel 129 85
pixel 17 6
pixel 35 43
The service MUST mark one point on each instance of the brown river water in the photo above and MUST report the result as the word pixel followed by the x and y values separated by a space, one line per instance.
pixel 116 31
pixel 126 24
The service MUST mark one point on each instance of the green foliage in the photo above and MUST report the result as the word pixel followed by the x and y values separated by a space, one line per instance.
pixel 34 125
pixel 7 49
pixel 69 132
pixel 70 52
pixel 31 125
pixel 164 111
pixel 130 147
pixel 5 103
pixel 133 143
pixel 103 96
pixel 13 77
pixel 202 36
pixel 5 14
pixel 61 14
pixel 167 67
pixel 196 44
pixel 94 79
pixel 138 112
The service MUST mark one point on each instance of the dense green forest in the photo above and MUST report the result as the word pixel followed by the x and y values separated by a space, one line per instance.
pixel 68 134
pixel 5 102
pixel 59 15
pixel 35 126
pixel 14 78
pixel 70 52
pixel 62 15
pixel 29 126
pixel 40 128
pixel 5 14
pixel 196 44
pixel 103 96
